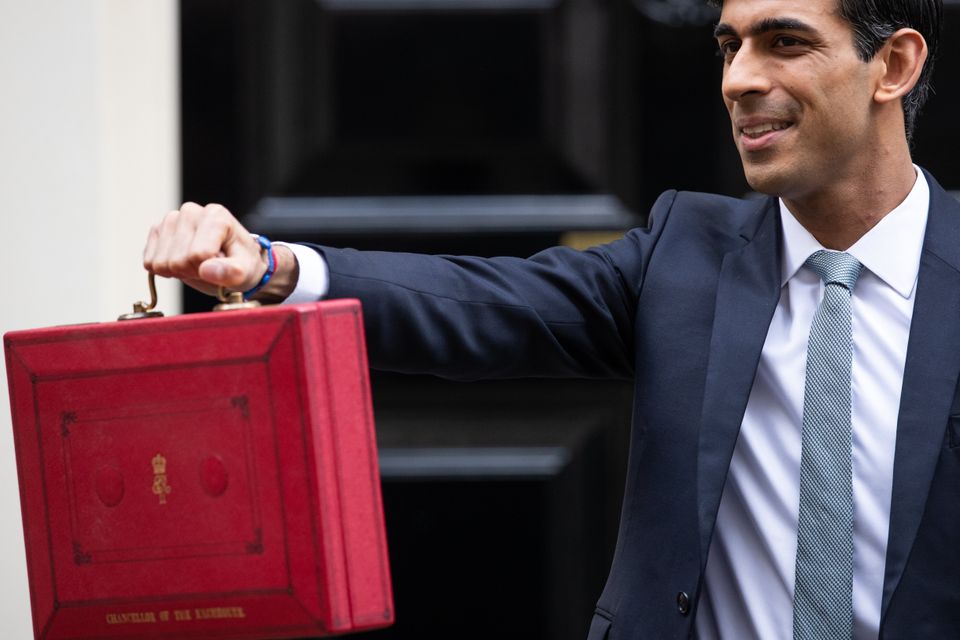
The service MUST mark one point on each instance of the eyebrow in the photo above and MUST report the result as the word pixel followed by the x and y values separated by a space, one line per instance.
pixel 764 26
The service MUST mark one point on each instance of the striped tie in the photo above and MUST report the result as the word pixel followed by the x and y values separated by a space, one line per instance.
pixel 823 597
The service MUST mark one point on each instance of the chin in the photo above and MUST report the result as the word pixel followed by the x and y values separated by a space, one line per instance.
pixel 766 180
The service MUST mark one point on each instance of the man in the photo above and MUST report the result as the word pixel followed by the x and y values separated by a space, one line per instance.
pixel 795 463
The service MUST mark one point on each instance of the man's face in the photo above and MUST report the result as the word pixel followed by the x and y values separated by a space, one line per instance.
pixel 800 100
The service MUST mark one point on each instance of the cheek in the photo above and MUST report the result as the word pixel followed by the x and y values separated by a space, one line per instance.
pixel 850 97
pixel 851 118
pixel 841 112
pixel 729 104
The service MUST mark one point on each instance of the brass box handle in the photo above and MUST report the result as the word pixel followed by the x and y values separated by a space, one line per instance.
pixel 229 301
pixel 141 309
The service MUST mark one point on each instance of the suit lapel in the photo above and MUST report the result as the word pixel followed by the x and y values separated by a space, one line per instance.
pixel 747 294
pixel 929 380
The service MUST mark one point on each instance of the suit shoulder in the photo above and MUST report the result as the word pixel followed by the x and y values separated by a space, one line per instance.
pixel 708 210
pixel 696 202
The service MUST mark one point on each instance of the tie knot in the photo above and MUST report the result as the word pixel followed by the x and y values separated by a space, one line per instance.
pixel 835 267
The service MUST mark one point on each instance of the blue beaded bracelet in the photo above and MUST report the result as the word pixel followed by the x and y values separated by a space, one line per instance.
pixel 265 245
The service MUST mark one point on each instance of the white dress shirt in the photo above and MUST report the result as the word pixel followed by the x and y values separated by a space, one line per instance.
pixel 314 279
pixel 750 572
pixel 749 580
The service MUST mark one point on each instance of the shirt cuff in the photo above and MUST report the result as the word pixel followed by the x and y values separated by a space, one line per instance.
pixel 314 280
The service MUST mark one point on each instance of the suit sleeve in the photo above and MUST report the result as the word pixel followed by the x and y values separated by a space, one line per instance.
pixel 559 313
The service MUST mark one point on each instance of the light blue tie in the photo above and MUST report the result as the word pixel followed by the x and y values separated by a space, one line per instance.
pixel 823 597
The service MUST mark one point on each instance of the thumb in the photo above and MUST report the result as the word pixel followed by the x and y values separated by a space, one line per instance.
pixel 227 272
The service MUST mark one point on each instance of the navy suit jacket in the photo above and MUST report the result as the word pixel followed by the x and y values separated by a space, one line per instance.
pixel 683 307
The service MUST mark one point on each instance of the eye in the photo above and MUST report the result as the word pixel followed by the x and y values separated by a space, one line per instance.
pixel 728 48
pixel 786 42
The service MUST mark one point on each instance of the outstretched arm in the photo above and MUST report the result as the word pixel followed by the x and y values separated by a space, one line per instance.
pixel 559 313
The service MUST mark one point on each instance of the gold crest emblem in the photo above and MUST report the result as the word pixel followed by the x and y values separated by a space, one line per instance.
pixel 160 486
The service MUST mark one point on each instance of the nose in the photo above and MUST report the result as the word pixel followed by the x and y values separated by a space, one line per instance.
pixel 745 74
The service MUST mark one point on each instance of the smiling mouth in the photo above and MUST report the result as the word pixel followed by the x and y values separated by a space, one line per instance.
pixel 760 130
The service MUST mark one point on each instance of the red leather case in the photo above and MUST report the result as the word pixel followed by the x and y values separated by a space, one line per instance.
pixel 203 476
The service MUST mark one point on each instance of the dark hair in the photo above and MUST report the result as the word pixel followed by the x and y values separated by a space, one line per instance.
pixel 874 21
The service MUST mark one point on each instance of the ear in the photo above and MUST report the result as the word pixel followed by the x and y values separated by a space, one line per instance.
pixel 902 59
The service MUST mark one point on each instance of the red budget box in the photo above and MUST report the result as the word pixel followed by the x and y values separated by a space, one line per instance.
pixel 203 476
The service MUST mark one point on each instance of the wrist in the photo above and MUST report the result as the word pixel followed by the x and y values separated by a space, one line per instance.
pixel 268 260
pixel 283 281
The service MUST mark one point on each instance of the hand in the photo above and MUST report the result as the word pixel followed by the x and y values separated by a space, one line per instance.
pixel 205 247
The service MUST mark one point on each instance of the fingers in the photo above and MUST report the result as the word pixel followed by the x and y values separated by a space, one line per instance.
pixel 204 246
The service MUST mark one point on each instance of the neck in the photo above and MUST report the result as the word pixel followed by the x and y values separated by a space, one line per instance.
pixel 854 203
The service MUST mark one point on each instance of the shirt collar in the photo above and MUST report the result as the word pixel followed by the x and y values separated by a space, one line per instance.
pixel 890 250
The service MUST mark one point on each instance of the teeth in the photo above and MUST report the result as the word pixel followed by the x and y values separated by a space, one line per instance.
pixel 761 129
